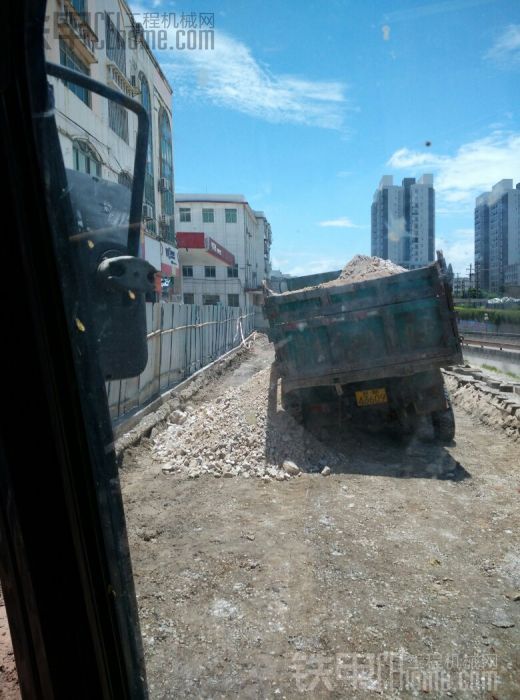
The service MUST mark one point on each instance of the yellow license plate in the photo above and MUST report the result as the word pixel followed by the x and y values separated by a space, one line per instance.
pixel 369 397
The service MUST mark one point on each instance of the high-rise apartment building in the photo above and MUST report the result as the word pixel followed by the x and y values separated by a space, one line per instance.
pixel 497 237
pixel 403 221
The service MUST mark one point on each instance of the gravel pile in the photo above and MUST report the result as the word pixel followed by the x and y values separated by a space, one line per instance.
pixel 364 267
pixel 243 433
pixel 359 269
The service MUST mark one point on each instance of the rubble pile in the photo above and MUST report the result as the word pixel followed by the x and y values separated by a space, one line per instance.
pixel 359 269
pixel 365 267
pixel 492 402
pixel 242 433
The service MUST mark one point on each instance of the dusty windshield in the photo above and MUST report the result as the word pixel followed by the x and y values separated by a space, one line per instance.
pixel 308 327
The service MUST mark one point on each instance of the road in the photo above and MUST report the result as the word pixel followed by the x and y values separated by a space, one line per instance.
pixel 396 576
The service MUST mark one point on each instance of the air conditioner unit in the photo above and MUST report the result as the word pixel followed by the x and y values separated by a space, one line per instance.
pixel 147 211
pixel 164 184
pixel 164 220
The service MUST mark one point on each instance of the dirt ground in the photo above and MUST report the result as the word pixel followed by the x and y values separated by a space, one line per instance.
pixel 396 576
pixel 9 688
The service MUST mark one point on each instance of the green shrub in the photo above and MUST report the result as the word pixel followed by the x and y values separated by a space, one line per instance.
pixel 496 316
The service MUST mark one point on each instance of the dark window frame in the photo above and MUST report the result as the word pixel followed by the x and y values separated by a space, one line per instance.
pixel 166 169
pixel 90 156
pixel 115 44
pixel 231 216
pixel 70 59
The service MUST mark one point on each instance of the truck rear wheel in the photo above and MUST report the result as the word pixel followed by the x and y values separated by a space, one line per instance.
pixel 444 424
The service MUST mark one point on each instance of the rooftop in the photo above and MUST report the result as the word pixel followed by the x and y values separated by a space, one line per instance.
pixel 237 198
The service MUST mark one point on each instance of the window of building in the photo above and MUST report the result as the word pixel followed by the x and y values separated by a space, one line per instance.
pixel 125 179
pixel 115 44
pixel 210 299
pixel 208 216
pixel 232 271
pixel 210 271
pixel 149 186
pixel 166 169
pixel 232 300
pixel 118 119
pixel 231 216
pixel 70 60
pixel 187 270
pixel 78 5
pixel 189 298
pixel 85 159
pixel 185 214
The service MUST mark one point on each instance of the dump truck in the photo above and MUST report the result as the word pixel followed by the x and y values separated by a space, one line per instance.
pixel 369 351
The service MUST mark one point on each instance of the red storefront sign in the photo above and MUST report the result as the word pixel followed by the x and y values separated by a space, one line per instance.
pixel 218 251
pixel 198 241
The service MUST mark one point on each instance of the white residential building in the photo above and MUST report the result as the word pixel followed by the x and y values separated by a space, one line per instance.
pixel 403 221
pixel 100 38
pixel 224 249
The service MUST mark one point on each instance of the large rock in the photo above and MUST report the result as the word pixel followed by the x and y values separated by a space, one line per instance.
pixel 290 468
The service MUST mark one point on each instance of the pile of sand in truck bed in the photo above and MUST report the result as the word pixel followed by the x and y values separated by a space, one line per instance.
pixel 359 269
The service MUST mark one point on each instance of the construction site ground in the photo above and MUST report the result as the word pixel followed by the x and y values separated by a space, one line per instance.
pixel 398 575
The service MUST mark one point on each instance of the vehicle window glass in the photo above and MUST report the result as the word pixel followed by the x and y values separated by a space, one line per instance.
pixel 304 271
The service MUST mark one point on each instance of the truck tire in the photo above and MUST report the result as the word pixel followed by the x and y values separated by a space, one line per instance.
pixel 444 424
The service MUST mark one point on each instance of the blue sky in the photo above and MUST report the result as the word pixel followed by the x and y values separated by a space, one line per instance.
pixel 302 107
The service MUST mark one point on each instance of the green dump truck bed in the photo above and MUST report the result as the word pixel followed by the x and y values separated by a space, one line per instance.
pixel 393 326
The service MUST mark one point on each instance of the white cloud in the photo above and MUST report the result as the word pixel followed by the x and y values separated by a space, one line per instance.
pixel 303 262
pixel 230 76
pixel 342 222
pixel 474 168
pixel 458 249
pixel 506 49
pixel 313 267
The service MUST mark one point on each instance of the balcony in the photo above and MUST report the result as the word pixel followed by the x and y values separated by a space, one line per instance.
pixel 73 26
pixel 116 78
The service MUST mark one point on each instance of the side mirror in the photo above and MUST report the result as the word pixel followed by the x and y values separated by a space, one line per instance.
pixel 118 281
pixel 105 234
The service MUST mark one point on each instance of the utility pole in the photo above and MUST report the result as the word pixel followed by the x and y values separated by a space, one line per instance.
pixel 470 275
pixel 477 279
